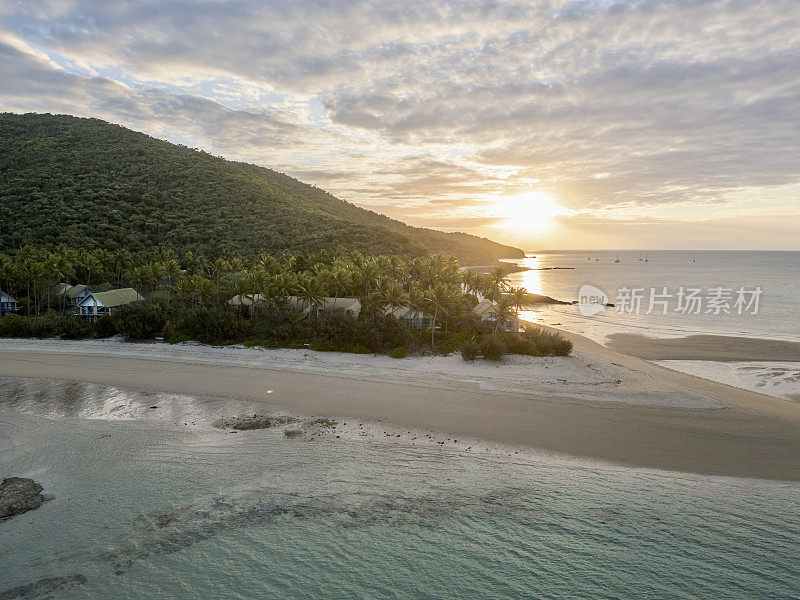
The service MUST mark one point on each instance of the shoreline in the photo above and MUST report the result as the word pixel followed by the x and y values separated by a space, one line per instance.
pixel 598 404
pixel 708 347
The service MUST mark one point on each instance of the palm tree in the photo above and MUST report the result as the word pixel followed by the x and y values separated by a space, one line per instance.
pixel 218 269
pixel 498 279
pixel 439 298
pixel 311 291
pixel 62 268
pixel 518 296
pixel 471 281
pixel 120 262
pixel 503 311
pixel 90 264
pixel 369 274
pixel 391 293
pixel 169 268
pixel 338 278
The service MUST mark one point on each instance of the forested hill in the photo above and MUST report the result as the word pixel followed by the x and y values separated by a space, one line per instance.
pixel 88 183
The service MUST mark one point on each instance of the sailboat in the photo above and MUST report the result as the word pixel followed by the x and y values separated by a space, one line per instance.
pixel 617 259
pixel 596 258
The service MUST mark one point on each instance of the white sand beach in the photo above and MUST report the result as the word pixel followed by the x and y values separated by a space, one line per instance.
pixel 597 403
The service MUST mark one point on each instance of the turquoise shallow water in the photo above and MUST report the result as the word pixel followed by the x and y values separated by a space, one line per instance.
pixel 144 509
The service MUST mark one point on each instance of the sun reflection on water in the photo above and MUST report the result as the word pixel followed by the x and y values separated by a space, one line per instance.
pixel 531 280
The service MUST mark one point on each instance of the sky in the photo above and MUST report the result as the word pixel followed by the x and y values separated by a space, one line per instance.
pixel 575 124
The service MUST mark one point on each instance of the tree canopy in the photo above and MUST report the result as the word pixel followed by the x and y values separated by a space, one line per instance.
pixel 88 184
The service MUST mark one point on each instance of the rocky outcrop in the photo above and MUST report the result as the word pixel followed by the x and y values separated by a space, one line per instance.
pixel 44 588
pixel 18 495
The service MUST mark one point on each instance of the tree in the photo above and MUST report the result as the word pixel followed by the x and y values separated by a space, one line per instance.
pixel 518 296
pixel 311 291
pixel 439 298
pixel 170 267
pixel 120 262
pixel 338 278
pixel 498 279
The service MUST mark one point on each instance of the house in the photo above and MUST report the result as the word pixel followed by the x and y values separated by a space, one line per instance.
pixel 488 312
pixel 7 304
pixel 246 300
pixel 329 304
pixel 352 306
pixel 97 304
pixel 73 294
pixel 411 317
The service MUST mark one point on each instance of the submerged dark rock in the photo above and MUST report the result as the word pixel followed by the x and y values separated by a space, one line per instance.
pixel 44 588
pixel 18 495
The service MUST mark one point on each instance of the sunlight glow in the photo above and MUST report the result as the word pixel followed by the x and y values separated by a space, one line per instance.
pixel 532 212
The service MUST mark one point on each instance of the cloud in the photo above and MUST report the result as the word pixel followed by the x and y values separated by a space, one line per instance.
pixel 429 109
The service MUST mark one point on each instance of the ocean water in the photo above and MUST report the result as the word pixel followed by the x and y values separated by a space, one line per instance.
pixel 777 274
pixel 150 508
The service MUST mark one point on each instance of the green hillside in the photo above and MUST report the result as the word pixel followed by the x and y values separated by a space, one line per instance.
pixel 88 183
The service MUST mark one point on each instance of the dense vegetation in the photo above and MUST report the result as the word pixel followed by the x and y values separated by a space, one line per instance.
pixel 90 184
pixel 187 298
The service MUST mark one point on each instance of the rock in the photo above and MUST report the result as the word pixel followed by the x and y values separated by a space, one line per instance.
pixel 44 588
pixel 18 495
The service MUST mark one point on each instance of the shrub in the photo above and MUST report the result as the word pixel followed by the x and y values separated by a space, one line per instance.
pixel 453 343
pixel 104 327
pixel 39 326
pixel 282 328
pixel 548 343
pixel 515 343
pixel 356 349
pixel 72 327
pixel 139 320
pixel 469 350
pixel 321 346
pixel 213 325
pixel 399 352
pixel 13 326
pixel 371 330
pixel 492 348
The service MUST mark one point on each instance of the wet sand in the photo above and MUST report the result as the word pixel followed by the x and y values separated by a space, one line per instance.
pixel 704 347
pixel 691 424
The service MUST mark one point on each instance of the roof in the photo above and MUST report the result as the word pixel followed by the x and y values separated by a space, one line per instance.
pixel 246 299
pixel 5 297
pixel 352 305
pixel 113 298
pixel 71 290
pixel 343 303
pixel 485 309
pixel 406 312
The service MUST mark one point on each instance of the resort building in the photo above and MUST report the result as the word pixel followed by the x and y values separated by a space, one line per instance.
pixel 7 304
pixel 411 317
pixel 73 294
pixel 97 304
pixel 329 304
pixel 489 312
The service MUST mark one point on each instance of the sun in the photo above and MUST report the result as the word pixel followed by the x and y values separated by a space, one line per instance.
pixel 530 212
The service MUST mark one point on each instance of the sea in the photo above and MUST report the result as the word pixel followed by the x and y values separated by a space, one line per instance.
pixel 675 294
pixel 143 508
